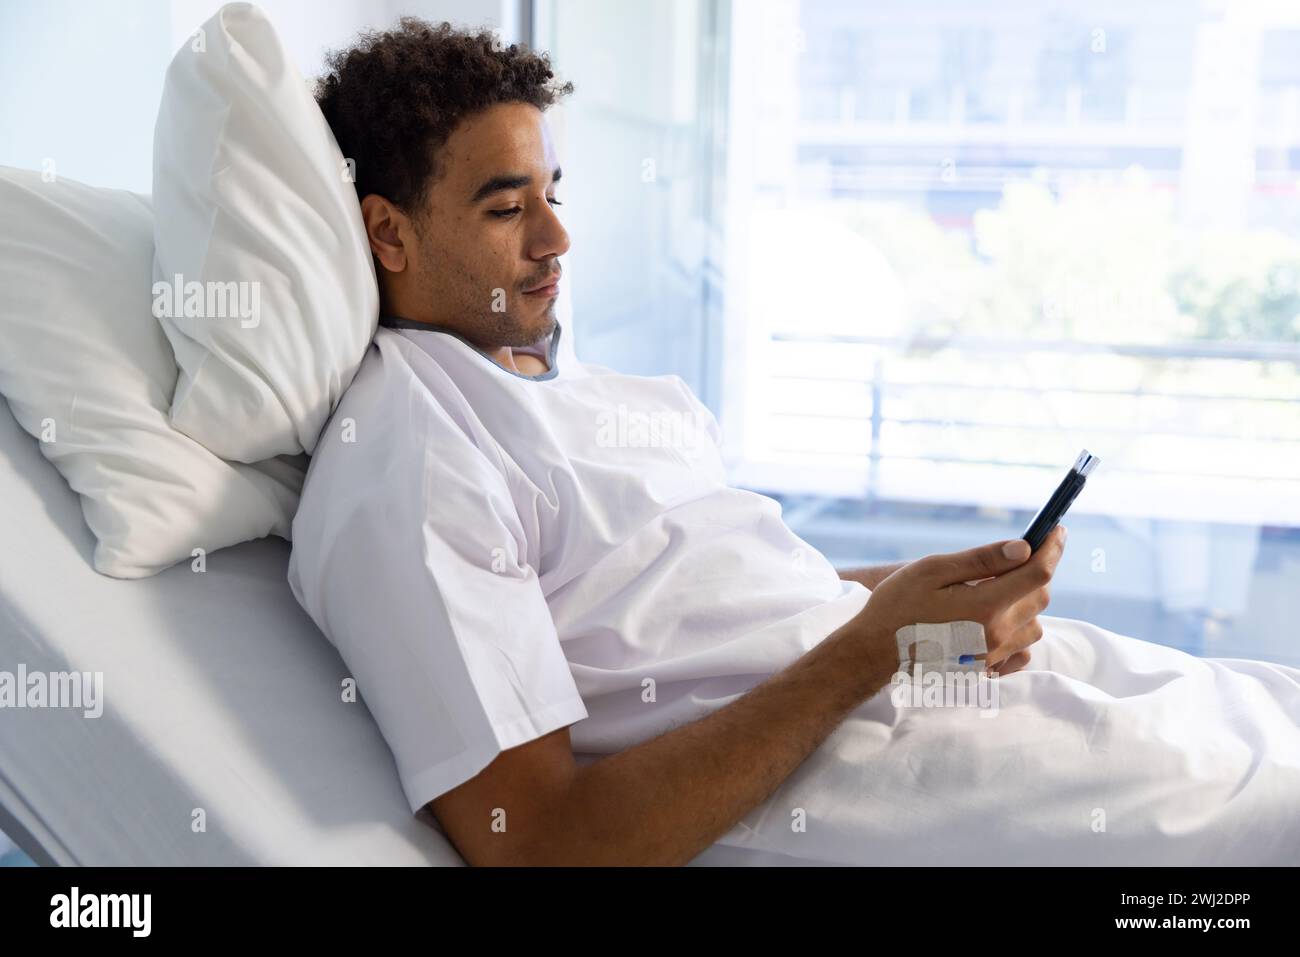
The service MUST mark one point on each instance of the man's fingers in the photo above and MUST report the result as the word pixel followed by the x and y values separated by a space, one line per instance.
pixel 986 561
pixel 1010 665
pixel 1035 573
pixel 1011 640
pixel 1062 532
pixel 1028 607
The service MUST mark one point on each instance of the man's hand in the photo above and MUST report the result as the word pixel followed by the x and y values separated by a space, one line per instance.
pixel 1023 615
pixel 1019 619
pixel 1004 592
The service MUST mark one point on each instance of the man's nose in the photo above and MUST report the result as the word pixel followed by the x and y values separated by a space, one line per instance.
pixel 552 239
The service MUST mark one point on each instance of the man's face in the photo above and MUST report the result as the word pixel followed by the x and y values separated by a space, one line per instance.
pixel 489 235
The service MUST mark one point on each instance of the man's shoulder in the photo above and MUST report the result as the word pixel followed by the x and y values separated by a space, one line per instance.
pixel 387 425
pixel 387 399
pixel 358 451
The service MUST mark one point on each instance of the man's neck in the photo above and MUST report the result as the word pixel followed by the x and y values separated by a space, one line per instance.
pixel 523 363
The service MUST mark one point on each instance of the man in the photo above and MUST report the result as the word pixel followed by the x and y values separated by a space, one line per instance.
pixel 582 646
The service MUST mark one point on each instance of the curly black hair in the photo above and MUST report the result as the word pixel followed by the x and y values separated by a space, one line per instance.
pixel 395 97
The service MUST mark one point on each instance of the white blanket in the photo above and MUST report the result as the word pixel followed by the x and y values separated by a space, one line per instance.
pixel 1105 750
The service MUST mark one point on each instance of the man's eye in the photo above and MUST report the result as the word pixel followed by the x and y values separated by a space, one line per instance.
pixel 515 210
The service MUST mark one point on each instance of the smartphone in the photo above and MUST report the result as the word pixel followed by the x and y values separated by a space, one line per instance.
pixel 1050 514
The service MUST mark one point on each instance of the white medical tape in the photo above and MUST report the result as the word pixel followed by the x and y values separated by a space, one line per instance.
pixel 938 646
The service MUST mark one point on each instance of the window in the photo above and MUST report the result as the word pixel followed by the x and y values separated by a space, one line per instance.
pixel 640 174
pixel 917 256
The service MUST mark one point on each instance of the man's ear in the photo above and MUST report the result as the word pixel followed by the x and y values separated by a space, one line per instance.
pixel 385 224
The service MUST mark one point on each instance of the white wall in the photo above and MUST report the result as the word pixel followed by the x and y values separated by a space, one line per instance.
pixel 79 87
pixel 80 80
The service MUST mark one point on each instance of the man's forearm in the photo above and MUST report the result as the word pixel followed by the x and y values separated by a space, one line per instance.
pixel 871 575
pixel 666 800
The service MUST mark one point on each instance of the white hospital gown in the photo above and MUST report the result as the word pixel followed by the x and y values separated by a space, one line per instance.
pixel 496 556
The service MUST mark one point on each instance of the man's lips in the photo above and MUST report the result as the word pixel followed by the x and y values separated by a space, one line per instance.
pixel 548 287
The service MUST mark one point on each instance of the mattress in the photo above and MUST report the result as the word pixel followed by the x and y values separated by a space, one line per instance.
pixel 224 739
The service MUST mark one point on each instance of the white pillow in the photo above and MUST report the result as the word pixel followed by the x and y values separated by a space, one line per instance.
pixel 250 187
pixel 88 371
